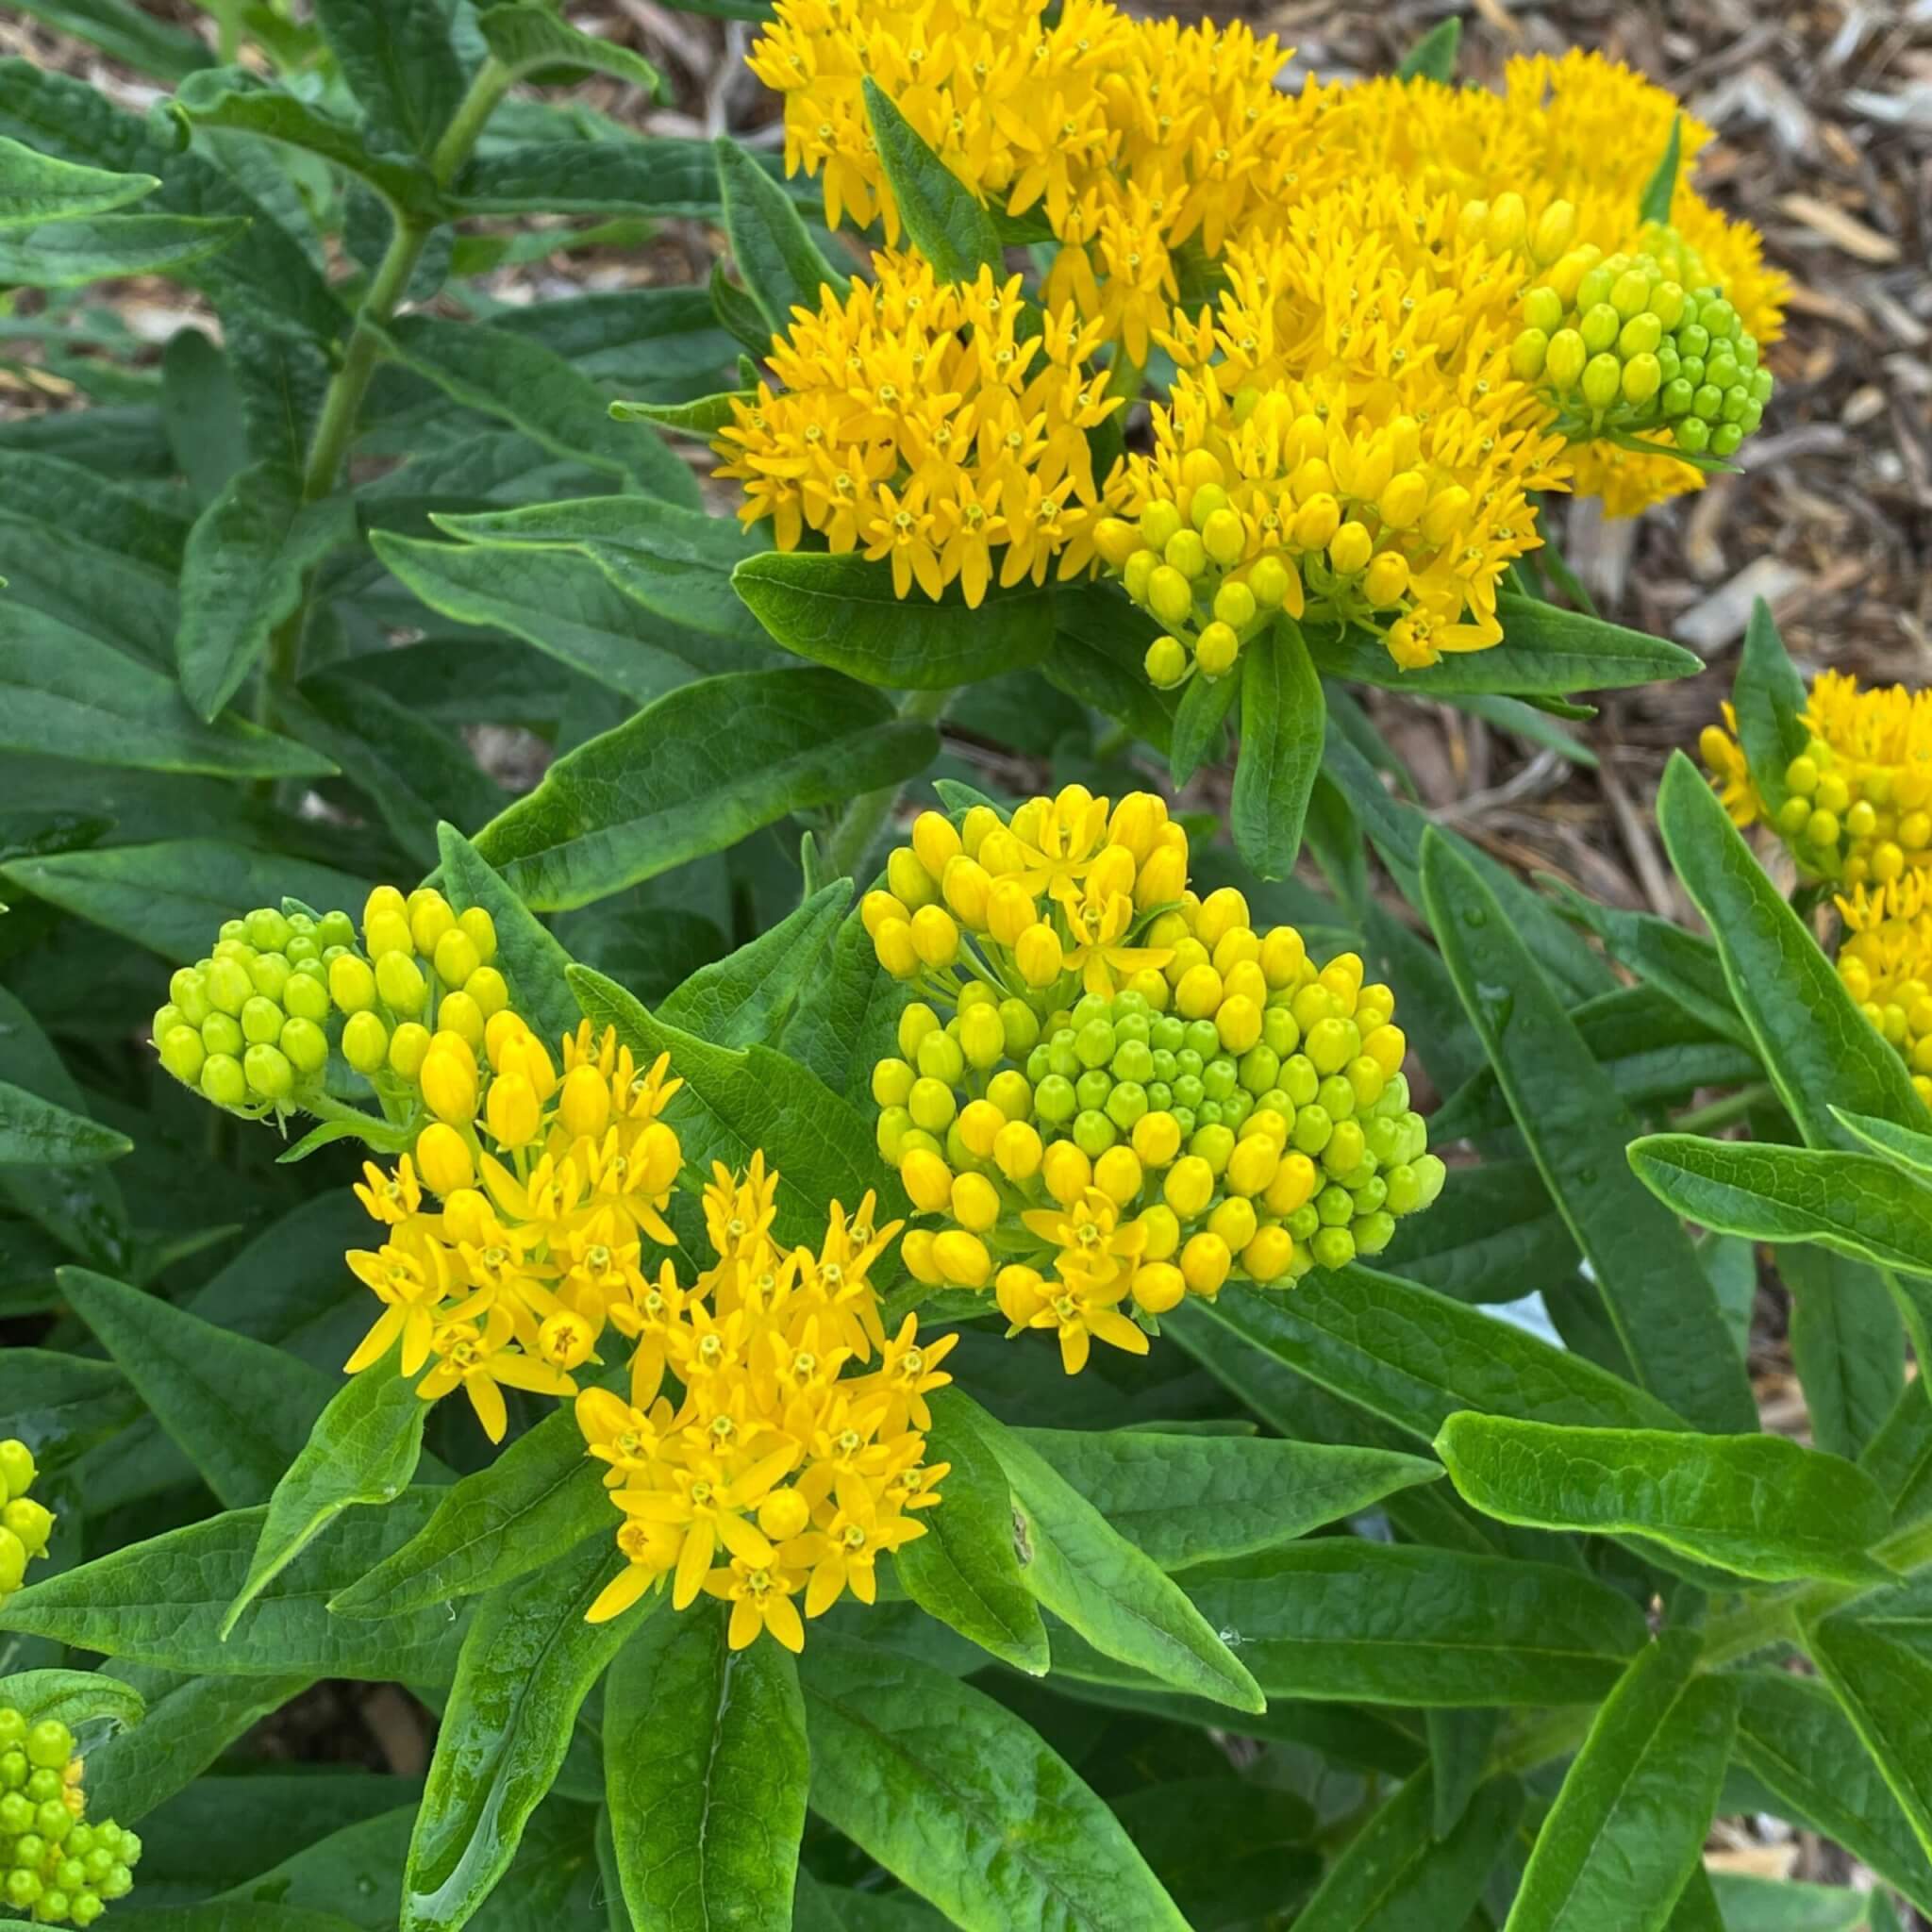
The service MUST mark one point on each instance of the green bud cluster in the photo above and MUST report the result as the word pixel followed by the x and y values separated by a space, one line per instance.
pixel 1621 348
pixel 25 1525
pixel 54 1865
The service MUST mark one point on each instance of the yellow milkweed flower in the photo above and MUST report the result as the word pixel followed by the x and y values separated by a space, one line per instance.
pixel 792 1457
pixel 1885 964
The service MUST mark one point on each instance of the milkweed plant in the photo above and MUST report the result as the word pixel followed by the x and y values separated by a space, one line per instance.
pixel 747 1140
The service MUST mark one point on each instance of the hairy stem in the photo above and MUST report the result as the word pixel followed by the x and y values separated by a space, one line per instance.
pixel 868 814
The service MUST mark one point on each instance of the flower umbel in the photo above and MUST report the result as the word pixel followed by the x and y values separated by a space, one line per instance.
pixel 54 1864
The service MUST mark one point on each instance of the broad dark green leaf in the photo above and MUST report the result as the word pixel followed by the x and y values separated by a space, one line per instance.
pixel 528 39
pixel 526 1666
pixel 60 1404
pixel 1885 1687
pixel 1847 1344
pixel 1199 719
pixel 538 1501
pixel 1899 1457
pixel 1904 1146
pixel 664 178
pixel 1773 1904
pixel 1627 1829
pixel 1683 966
pixel 1770 701
pixel 399 62
pixel 1283 723
pixel 1661 189
pixel 248 557
pixel 940 216
pixel 1199 1499
pixel 81 1700
pixel 1758 1505
pixel 706 1768
pixel 1227 1849
pixel 235 1915
pixel 1433 57
pixel 37 1133
pixel 80 500
pixel 174 895
pixel 1657 1298
pixel 1488 1237
pixel 162 1602
pixel 1097 657
pixel 849 1021
pixel 1818 1048
pixel 1397 1875
pixel 745 999
pixel 526 954
pixel 36 188
pixel 364 1448
pixel 1460 1746
pixel 1856 1205
pixel 68 255
pixel 75 582
pixel 779 262
pixel 965 1569
pixel 123 29
pixel 960 1800
pixel 535 389
pixel 67 694
pixel 1101 1585
pixel 697 771
pixel 239 1409
pixel 842 611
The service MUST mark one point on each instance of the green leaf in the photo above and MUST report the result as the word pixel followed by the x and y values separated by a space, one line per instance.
pixel 780 263
pixel 964 1570
pixel 1904 1146
pixel 538 1501
pixel 1283 723
pixel 364 1448
pixel 1819 1049
pixel 1661 189
pixel 398 60
pixel 1460 1744
pixel 734 1101
pixel 229 1915
pixel 707 1769
pixel 1683 966
pixel 171 896
pixel 1854 1203
pixel 842 611
pixel 1770 701
pixel 36 1133
pixel 697 771
pixel 1657 1296
pixel 1226 1849
pixel 1757 1504
pixel 941 218
pixel 162 1602
pixel 60 1404
pixel 1098 1583
pixel 238 1409
pixel 1198 722
pixel 960 1800
pixel 704 416
pixel 76 1699
pixel 1771 1904
pixel 68 694
pixel 68 255
pixel 1433 57
pixel 527 38
pixel 745 999
pixel 526 1666
pixel 248 557
pixel 1341 1617
pixel 1396 1875
pixel 1199 1499
pixel 676 563
pixel 36 188
pixel 1796 1741
pixel 121 29
pixel 1627 1829
pixel 1847 1344
pixel 538 391
pixel 1885 1689
pixel 668 179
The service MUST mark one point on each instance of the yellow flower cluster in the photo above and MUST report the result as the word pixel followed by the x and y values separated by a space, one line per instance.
pixel 548 1182
pixel 919 420
pixel 1136 1094
pixel 1858 803
pixel 792 1457
pixel 1885 964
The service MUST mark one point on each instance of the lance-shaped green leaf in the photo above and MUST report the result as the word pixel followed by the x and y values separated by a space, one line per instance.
pixel 1187 1499
pixel 239 1409
pixel 1769 698
pixel 530 40
pixel 1628 1827
pixel 247 559
pixel 1341 1617
pixel 746 998
pixel 1661 189
pixel 1856 1205
pixel 697 771
pixel 940 213
pixel 779 262
pixel 68 694
pixel 36 188
pixel 844 612
pixel 1683 966
pixel 75 1698
pixel 1818 1047
pixel 671 178
pixel 965 1569
pixel 706 1769
pixel 62 1404
pixel 1397 1875
pixel 526 1667
pixel 1847 1344
pixel 399 61
pixel 1659 1299
pixel 1885 1687
pixel 1433 57
pixel 236 1915
pixel 162 1602
pixel 68 255
pixel 1228 1850
pixel 1460 1746
pixel 364 1448
pixel 537 1502
pixel 1738 1903
pixel 703 416
pixel 1199 719
pixel 960 1800
pixel 1904 1147
pixel 1105 1589
pixel 1758 1505
pixel 1283 724
pixel 36 1133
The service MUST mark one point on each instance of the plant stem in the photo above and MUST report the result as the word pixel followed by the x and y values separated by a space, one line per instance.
pixel 1721 1113
pixel 867 814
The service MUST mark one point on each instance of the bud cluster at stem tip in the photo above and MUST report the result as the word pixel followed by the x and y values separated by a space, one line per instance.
pixel 1132 1095
pixel 54 1864
pixel 25 1525
pixel 1885 964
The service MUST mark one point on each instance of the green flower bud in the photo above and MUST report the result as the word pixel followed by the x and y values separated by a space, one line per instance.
pixel 1542 309
pixel 221 1080
pixel 1166 662
pixel 23 1888
pixel 14 1769
pixel 32 1523
pixel 268 1073
pixel 16 1815
pixel 1598 327
pixel 270 974
pixel 85 1909
pixel 182 1054
pixel 261 1022
pixel 352 983
pixel 365 1041
pixel 1011 1092
pixel 1603 377
pixel 188 990
pixel 1528 352
pixel 230 988
pixel 941 1058
pixel 49 1745
pixel 1725 439
pixel 17 1473
pixel 1127 1104
pixel 1022 1025
pixel 1093 1133
pixel 305 1045
pixel 1091 1088
pixel 53 1820
pixel 1053 1100
pixel 1693 434
pixel 399 981
pixel 306 996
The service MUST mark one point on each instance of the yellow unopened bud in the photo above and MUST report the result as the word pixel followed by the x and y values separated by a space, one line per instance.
pixel 1117 1175
pixel 967 887
pixel 1293 1185
pixel 1170 595
pixel 1205 1264
pixel 1156 1139
pixel 526 1054
pixel 385 901
pixel 1386 581
pixel 430 917
pixel 456 956
pixel 915 1250
pixel 1116 540
pixel 975 1204
pixel 1225 537
pixel 1564 360
pixel 1556 229
pixel 783 1515
pixel 489 990
pixel 1253 1164
pixel 1199 993
pixel 1216 649
pixel 509 1108
pixel 1350 548
pixel 934 842
pixel 935 935
pixel 1404 500
pixel 962 1259
pixel 1009 912
pixel 1017 1149
pixel 365 1042
pixel 978 822
pixel 351 983
pixel 442 1158
pixel 911 884
pixel 1021 1292
pixel 1039 955
pixel 1067 1172
pixel 1157 1286
pixel 1162 877
pixel 1163 1231
pixel 1188 1186
pixel 387 932
pixel 878 909
pixel 1136 820
pixel 498 1031
pixel 929 1181
pixel 481 931
pixel 584 1104
pixel 407 1046
pixel 892 942
pixel 1316 521
pixel 1267 1256
pixel 457 1012
pixel 1507 223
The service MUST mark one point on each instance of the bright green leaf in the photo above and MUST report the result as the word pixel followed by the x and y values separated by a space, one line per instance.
pixel 941 218
pixel 529 38
pixel 779 262
pixel 745 999
pixel 1770 701
pixel 1885 1689
pixel 36 188
pixel 1433 57
pixel 1283 723
pixel 399 61
pixel 1661 189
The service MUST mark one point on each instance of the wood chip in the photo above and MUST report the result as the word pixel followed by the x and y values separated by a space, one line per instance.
pixel 1719 621
pixel 1844 232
